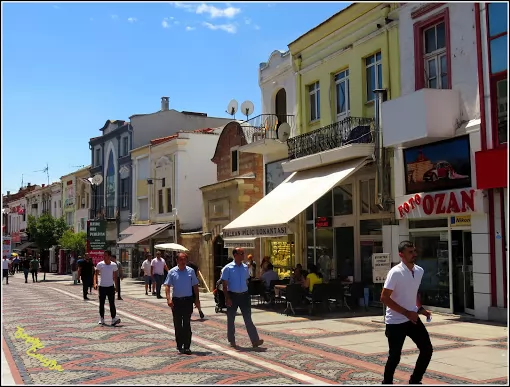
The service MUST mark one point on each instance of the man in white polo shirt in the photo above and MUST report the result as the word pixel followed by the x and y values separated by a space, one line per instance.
pixel 400 295
pixel 107 271
pixel 158 268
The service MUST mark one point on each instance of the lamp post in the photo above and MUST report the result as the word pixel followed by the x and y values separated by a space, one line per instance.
pixel 175 224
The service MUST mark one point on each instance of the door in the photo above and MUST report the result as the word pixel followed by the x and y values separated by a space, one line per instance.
pixel 462 259
pixel 344 252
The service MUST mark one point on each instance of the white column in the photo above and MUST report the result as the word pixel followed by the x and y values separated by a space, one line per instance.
pixel 481 264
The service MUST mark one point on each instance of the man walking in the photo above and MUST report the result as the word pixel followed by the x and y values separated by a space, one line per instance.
pixel 158 267
pixel 6 265
pixel 26 268
pixel 34 268
pixel 74 270
pixel 146 267
pixel 86 273
pixel 400 295
pixel 184 283
pixel 120 275
pixel 235 277
pixel 107 270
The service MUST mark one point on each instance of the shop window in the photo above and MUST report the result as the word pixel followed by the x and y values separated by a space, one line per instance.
pixel 161 205
pixel 497 22
pixel 324 240
pixel 372 227
pixel 282 256
pixel 367 197
pixel 428 223
pixel 324 206
pixel 310 255
pixel 432 256
pixel 309 213
pixel 432 52
pixel 342 95
pixel 373 70
pixel 342 200
pixel 367 248
pixel 169 207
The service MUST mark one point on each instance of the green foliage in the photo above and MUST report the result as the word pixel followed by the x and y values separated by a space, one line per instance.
pixel 46 230
pixel 74 241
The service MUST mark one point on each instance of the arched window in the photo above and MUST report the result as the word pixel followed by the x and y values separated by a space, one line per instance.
pixel 110 187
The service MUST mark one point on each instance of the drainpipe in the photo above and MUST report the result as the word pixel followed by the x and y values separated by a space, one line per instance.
pixel 380 97
pixel 297 68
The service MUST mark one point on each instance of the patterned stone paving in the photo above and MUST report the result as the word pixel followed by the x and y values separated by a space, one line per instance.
pixel 134 353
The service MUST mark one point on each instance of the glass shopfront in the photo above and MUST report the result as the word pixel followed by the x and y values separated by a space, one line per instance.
pixel 282 253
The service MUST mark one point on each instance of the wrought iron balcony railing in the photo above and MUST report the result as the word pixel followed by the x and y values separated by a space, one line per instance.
pixel 265 126
pixel 351 130
pixel 104 213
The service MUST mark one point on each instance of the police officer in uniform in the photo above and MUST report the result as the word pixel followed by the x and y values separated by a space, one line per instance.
pixel 184 283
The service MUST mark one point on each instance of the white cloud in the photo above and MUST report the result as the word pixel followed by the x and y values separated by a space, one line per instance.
pixel 188 28
pixel 247 21
pixel 177 22
pixel 132 19
pixel 230 28
pixel 214 12
pixel 115 17
pixel 165 23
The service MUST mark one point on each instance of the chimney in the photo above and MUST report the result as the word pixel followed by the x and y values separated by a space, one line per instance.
pixel 43 185
pixel 8 193
pixel 165 104
pixel 28 184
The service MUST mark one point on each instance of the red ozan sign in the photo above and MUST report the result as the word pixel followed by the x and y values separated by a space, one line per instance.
pixel 440 203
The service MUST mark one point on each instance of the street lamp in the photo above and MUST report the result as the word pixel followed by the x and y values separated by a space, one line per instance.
pixel 150 180
pixel 174 212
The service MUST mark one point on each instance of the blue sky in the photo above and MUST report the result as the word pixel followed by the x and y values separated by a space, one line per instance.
pixel 67 68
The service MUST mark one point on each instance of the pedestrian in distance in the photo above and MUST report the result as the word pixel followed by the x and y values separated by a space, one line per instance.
pixel 79 262
pixel 183 282
pixel 235 278
pixel 6 265
pixel 197 274
pixel 158 268
pixel 400 295
pixel 26 268
pixel 146 267
pixel 107 272
pixel 34 268
pixel 120 275
pixel 86 273
pixel 74 270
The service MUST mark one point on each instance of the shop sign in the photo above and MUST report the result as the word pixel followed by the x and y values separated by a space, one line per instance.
pixel 243 244
pixel 96 234
pixel 432 204
pixel 281 230
pixel 16 237
pixel 323 222
pixel 381 265
pixel 96 255
pixel 460 221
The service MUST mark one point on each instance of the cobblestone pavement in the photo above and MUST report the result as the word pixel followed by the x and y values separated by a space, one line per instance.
pixel 141 350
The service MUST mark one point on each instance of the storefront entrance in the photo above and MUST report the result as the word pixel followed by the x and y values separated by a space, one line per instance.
pixel 462 257
pixel 220 257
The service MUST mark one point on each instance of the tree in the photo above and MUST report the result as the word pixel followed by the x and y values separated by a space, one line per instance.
pixel 74 241
pixel 45 232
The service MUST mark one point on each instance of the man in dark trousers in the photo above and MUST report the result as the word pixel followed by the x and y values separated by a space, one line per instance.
pixel 184 284
pixel 86 274
pixel 235 277
pixel 107 270
pixel 34 268
pixel 400 295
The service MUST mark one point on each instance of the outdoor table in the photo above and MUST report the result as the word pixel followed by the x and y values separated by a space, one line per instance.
pixel 279 289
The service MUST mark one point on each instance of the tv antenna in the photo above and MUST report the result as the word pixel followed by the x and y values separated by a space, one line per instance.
pixel 247 108
pixel 47 172
pixel 77 166
pixel 232 108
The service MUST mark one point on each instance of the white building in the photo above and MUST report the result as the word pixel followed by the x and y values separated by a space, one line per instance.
pixel 434 129
pixel 82 204
pixel 56 199
pixel 39 201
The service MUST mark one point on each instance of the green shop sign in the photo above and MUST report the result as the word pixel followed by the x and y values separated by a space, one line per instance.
pixel 96 234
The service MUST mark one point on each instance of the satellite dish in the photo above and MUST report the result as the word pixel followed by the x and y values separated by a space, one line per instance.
pixel 97 179
pixel 232 107
pixel 284 132
pixel 247 108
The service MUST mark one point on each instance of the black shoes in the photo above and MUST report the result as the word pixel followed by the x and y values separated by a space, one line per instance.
pixel 86 298
pixel 119 298
pixel 201 314
pixel 159 297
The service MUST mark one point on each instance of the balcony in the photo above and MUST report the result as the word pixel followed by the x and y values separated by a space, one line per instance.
pixel 104 213
pixel 261 133
pixel 353 137
pixel 425 116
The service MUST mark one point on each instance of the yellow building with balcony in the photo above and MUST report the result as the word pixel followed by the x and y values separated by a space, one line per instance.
pixel 337 200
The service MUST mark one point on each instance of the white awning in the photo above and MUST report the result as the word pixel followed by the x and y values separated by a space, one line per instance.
pixel 270 215
pixel 245 243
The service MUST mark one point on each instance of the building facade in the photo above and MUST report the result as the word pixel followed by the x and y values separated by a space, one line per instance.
pixel 491 21
pixel 56 199
pixel 434 130
pixel 239 185
pixel 83 199
pixel 329 203
pixel 14 216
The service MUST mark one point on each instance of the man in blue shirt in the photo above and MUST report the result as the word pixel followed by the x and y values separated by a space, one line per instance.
pixel 184 283
pixel 235 277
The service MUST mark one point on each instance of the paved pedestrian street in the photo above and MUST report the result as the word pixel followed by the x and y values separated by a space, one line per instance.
pixel 340 349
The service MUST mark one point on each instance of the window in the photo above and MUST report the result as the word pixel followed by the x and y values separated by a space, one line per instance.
pixel 97 160
pixel 373 66
pixel 367 197
pixel 83 226
pixel 169 207
pixel 324 206
pixel 111 193
pixel 160 202
pixel 54 204
pixel 87 200
pixel 234 161
pixel 315 101
pixel 342 200
pixel 432 52
pixel 497 19
pixel 124 193
pixel 342 94
pixel 125 146
pixel 69 219
pixel 436 72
